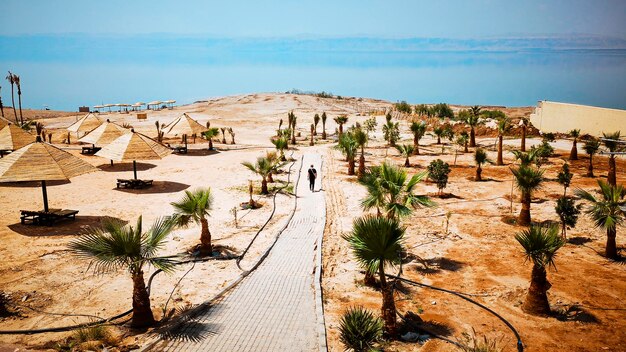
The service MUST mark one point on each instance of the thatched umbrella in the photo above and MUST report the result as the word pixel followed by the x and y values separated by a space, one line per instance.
pixel 134 146
pixel 184 124
pixel 40 161
pixel 104 134
pixel 85 124
pixel 13 137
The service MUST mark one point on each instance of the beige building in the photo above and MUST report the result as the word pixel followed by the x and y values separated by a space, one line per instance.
pixel 561 117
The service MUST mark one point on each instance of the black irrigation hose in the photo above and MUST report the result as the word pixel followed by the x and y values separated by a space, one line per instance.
pixel 520 345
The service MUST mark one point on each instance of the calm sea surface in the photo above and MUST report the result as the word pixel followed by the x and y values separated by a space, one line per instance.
pixel 66 72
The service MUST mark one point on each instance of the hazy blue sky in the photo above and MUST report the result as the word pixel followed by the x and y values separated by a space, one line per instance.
pixel 441 18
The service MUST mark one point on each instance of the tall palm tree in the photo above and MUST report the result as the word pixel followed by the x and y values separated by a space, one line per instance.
pixel 1 105
pixel 591 147
pixel 324 117
pixel 281 144
pixel 504 125
pixel 607 212
pixel 116 245
pixel 389 187
pixel 610 142
pixel 525 122
pixel 341 120
pixel 361 138
pixel 16 78
pixel 527 179
pixel 209 134
pixel 263 167
pixel 316 121
pixel 349 147
pixel 376 242
pixel 473 120
pixel 406 150
pixel 540 246
pixel 419 130
pixel 575 133
pixel 194 207
pixel 11 78
pixel 481 158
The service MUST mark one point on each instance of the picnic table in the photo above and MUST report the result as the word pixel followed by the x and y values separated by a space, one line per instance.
pixel 41 217
pixel 133 183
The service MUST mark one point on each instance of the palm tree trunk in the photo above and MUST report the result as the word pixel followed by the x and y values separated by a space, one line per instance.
pixel 361 171
pixel 264 186
pixel 416 145
pixel 389 306
pixel 438 140
pixel 270 178
pixel 210 144
pixel 537 299
pixel 611 247
pixel 340 130
pixel 406 162
pixel 142 314
pixel 351 165
pixel 590 167
pixel 479 172
pixel 524 214
pixel 19 101
pixel 205 238
pixel 523 147
pixel 472 137
pixel 499 161
pixel 465 149
pixel 368 279
pixel 323 130
pixel 611 176
pixel 13 104
pixel 573 155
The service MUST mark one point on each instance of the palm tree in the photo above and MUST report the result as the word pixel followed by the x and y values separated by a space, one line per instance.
pixel 607 212
pixel 316 121
pixel 527 179
pixel 421 110
pixel 359 329
pixel 406 150
pixel 324 125
pixel 503 127
pixel 281 144
pixel 376 242
pixel 575 133
pixel 391 131
pixel 11 78
pixel 274 159
pixel 1 105
pixel 263 167
pixel 388 187
pixel 194 207
pixel 312 142
pixel 439 131
pixel 462 140
pixel 591 147
pixel 292 125
pixel 481 158
pixel 16 78
pixel 540 246
pixel 223 130
pixel 473 120
pixel 210 134
pixel 116 245
pixel 419 130
pixel 526 158
pixel 349 147
pixel 341 120
pixel 361 138
pixel 525 122
pixel 611 143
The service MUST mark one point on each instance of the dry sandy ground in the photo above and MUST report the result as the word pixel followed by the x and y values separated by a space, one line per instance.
pixel 477 255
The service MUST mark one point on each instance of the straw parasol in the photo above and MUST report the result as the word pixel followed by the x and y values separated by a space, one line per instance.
pixel 104 134
pixel 156 102
pixel 39 161
pixel 134 146
pixel 184 124
pixel 85 124
pixel 13 137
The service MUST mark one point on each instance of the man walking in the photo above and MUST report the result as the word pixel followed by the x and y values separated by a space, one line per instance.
pixel 312 175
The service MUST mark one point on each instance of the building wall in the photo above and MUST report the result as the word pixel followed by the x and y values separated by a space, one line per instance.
pixel 561 117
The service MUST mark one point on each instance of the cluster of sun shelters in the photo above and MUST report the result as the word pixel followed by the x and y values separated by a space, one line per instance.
pixel 138 106
pixel 32 159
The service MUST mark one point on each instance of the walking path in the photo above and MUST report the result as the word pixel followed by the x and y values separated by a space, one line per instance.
pixel 275 307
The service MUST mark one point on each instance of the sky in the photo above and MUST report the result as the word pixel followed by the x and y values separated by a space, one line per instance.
pixel 378 18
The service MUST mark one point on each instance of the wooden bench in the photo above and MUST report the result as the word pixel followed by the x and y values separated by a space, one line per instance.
pixel 133 183
pixel 46 217
pixel 90 150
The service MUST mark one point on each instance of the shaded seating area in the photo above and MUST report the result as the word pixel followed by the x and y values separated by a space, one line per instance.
pixel 179 149
pixel 133 183
pixel 42 217
pixel 90 150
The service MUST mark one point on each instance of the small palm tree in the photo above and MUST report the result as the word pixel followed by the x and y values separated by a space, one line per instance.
pixel 316 121
pixel 525 122
pixel 540 246
pixel 526 158
pixel 419 130
pixel 349 147
pixel 341 120
pixel 406 150
pixel 391 131
pixel 281 144
pixel 575 133
pixel 527 179
pixel 473 120
pixel 377 242
pixel 481 158
pixel 274 159
pixel 611 143
pixel 116 245
pixel 565 178
pixel 607 212
pixel 359 329
pixel 324 117
pixel 194 207
pixel 591 147
pixel 263 167
pixel 462 140
pixel 210 134
pixel 439 131
pixel 293 119
pixel 361 138
pixel 504 125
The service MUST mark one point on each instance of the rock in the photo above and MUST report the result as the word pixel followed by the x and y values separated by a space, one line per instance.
pixel 25 298
pixel 410 337
pixel 433 302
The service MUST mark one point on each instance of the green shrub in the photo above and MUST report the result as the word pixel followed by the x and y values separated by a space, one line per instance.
pixel 404 107
pixel 438 171
pixel 360 329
